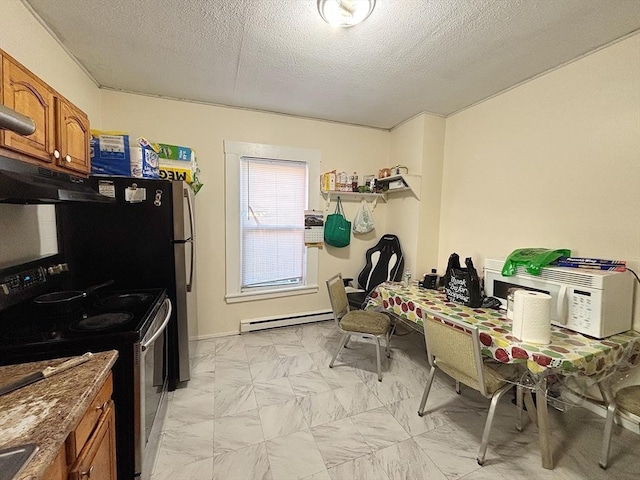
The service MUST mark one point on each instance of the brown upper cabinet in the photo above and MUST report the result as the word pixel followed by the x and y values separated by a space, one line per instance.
pixel 61 139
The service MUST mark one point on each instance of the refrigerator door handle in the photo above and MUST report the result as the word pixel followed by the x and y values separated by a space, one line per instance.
pixel 190 208
pixel 193 251
pixel 191 238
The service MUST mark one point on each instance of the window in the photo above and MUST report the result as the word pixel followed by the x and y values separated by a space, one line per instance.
pixel 267 190
pixel 273 195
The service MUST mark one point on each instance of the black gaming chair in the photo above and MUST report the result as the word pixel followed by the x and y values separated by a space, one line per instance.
pixel 384 262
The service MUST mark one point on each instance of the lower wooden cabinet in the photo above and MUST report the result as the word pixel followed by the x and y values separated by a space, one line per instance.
pixel 97 459
pixel 90 449
pixel 58 468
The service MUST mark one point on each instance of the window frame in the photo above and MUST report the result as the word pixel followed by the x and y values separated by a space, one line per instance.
pixel 234 151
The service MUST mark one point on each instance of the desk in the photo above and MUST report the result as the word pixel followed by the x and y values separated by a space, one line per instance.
pixel 568 353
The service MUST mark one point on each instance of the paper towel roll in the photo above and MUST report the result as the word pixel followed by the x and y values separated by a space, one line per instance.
pixel 532 316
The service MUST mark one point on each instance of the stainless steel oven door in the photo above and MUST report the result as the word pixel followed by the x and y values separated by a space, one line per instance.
pixel 151 384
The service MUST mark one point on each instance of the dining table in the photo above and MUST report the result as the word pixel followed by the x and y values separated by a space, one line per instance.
pixel 567 354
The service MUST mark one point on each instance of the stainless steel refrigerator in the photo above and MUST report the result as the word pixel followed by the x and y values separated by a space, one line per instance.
pixel 145 239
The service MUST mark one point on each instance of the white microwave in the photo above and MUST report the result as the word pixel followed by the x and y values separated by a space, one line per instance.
pixel 593 302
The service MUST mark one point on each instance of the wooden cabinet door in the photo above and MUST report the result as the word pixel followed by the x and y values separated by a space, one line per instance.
pixel 26 94
pixel 72 137
pixel 97 460
pixel 57 470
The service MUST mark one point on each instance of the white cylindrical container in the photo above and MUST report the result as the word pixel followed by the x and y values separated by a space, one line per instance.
pixel 532 316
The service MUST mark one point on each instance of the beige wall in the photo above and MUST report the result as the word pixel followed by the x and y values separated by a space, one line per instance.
pixel 554 163
pixel 204 128
pixel 403 207
pixel 418 144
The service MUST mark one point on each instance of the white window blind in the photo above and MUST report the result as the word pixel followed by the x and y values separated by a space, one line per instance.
pixel 273 197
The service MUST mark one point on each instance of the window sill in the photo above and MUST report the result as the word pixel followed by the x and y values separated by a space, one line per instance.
pixel 266 294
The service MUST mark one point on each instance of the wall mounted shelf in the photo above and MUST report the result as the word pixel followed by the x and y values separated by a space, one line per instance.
pixel 407 183
pixel 352 196
pixel 392 185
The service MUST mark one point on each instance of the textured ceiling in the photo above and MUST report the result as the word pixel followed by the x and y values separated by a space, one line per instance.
pixel 408 57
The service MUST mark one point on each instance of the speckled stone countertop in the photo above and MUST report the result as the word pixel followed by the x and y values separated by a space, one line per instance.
pixel 46 412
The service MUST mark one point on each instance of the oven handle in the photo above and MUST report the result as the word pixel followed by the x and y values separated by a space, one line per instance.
pixel 146 344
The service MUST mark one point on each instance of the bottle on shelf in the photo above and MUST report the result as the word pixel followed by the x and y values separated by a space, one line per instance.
pixel 343 184
pixel 354 182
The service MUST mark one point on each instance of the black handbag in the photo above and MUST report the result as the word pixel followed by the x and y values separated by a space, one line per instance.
pixel 462 285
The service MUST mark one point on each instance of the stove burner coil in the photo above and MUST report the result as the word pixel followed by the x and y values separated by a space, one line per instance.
pixel 123 300
pixel 102 321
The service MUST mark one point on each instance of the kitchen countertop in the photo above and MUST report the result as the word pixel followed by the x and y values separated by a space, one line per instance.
pixel 46 412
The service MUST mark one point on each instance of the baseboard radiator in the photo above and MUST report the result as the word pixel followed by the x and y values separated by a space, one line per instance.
pixel 252 324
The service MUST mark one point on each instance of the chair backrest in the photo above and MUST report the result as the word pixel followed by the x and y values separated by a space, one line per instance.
pixel 384 262
pixel 338 297
pixel 454 347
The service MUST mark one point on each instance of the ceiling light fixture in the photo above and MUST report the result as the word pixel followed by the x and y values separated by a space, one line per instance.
pixel 345 13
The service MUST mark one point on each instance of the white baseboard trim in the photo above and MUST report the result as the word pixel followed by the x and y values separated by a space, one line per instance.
pixel 213 335
pixel 252 324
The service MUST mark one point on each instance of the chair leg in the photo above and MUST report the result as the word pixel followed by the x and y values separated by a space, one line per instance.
pixel 343 341
pixel 519 399
pixel 606 438
pixel 388 345
pixel 487 426
pixel 427 389
pixel 393 327
pixel 378 359
pixel 531 408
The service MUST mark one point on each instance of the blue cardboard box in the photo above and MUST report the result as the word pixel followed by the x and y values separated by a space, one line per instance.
pixel 110 153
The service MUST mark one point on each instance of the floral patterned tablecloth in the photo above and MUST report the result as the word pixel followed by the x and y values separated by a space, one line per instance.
pixel 568 352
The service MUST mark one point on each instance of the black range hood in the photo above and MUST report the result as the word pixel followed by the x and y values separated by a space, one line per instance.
pixel 25 183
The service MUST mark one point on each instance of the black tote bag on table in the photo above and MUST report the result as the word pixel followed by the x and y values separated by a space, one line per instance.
pixel 462 285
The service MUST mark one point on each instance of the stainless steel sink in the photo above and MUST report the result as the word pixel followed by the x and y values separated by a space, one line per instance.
pixel 13 460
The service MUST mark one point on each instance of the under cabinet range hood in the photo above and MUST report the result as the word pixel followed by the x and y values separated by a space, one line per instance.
pixel 24 183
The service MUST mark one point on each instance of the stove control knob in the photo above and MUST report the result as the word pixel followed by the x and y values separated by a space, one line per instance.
pixel 56 269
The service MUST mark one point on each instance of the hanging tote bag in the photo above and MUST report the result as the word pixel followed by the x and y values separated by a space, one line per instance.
pixel 462 285
pixel 363 223
pixel 337 229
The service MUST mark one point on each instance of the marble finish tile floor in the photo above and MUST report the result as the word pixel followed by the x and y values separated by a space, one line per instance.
pixel 265 406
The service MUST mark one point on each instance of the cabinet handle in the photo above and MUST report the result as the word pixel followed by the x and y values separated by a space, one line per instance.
pixel 103 407
pixel 68 158
pixel 87 473
pixel 56 154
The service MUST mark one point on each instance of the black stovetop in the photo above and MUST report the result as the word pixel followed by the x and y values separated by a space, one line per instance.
pixel 98 320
